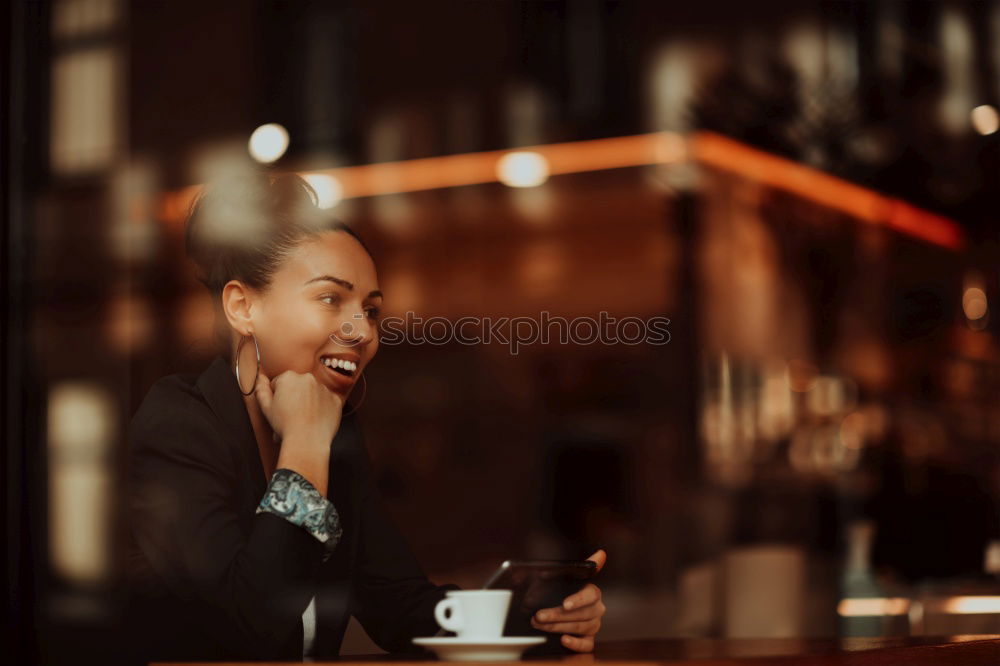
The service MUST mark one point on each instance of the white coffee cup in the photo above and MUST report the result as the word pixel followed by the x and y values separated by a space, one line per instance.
pixel 473 613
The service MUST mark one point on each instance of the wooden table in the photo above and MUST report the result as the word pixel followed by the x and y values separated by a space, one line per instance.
pixel 911 651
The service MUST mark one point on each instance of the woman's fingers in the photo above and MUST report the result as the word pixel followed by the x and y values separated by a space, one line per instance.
pixel 585 628
pixel 587 612
pixel 265 394
pixel 578 643
pixel 600 557
pixel 585 619
pixel 579 617
pixel 588 595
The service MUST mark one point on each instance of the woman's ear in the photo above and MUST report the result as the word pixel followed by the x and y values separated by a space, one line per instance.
pixel 236 304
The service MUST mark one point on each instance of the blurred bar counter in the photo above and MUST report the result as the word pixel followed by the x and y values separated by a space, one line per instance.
pixel 968 650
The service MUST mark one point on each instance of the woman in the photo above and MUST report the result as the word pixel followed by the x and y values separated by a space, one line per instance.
pixel 251 534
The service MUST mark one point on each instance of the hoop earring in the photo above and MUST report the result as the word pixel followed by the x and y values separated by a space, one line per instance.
pixel 364 392
pixel 239 347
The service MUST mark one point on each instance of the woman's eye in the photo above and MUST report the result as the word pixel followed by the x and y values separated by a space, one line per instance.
pixel 373 313
pixel 330 299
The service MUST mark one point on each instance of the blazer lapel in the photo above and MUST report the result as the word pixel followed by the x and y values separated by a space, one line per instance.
pixel 218 385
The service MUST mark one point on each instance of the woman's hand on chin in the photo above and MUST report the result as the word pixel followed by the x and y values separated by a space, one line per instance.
pixel 579 617
pixel 299 405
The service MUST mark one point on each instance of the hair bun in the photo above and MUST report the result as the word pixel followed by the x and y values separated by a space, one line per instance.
pixel 240 228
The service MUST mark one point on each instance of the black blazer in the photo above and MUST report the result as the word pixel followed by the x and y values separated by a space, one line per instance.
pixel 211 579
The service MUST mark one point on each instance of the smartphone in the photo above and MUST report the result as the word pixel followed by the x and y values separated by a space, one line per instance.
pixel 538 584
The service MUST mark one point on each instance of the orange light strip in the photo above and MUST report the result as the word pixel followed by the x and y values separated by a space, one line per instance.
pixel 433 173
pixel 972 605
pixel 630 151
pixel 824 189
pixel 478 168
pixel 874 606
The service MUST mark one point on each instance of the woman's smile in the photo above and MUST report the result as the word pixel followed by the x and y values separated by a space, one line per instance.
pixel 340 370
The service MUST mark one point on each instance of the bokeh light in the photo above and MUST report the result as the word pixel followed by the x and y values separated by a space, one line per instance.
pixel 974 303
pixel 268 143
pixel 985 119
pixel 329 191
pixel 523 169
pixel 81 433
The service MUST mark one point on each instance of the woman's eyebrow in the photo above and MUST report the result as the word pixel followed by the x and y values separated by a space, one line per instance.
pixel 343 283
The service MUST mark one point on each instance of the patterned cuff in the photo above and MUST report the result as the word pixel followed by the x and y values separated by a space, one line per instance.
pixel 292 497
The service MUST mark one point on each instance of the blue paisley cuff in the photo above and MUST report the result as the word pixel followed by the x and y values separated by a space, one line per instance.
pixel 292 497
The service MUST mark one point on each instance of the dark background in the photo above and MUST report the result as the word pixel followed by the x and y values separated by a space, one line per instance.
pixel 562 448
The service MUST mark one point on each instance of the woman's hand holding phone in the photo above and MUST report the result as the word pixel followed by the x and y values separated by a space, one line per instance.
pixel 579 617
pixel 306 416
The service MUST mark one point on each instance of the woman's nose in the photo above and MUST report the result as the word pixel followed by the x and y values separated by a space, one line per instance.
pixel 355 332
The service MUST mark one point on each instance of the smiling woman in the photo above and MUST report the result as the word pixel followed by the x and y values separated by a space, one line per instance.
pixel 255 530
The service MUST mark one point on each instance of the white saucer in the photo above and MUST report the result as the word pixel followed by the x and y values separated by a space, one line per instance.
pixel 503 648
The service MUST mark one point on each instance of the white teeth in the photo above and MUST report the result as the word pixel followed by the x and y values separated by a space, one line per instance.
pixel 350 366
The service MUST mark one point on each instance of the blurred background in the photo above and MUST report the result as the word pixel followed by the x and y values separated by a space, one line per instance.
pixel 806 190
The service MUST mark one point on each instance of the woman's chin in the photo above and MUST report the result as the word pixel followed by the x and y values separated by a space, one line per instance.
pixel 335 382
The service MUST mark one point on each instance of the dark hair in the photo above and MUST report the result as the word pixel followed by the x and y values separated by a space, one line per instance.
pixel 243 228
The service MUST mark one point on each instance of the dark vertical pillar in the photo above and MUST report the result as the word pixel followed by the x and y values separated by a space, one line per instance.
pixel 22 87
pixel 684 338
pixel 308 77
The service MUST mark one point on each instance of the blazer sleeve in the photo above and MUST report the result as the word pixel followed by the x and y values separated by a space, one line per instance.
pixel 247 588
pixel 393 598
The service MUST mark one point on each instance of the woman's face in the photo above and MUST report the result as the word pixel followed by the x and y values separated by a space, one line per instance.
pixel 320 313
